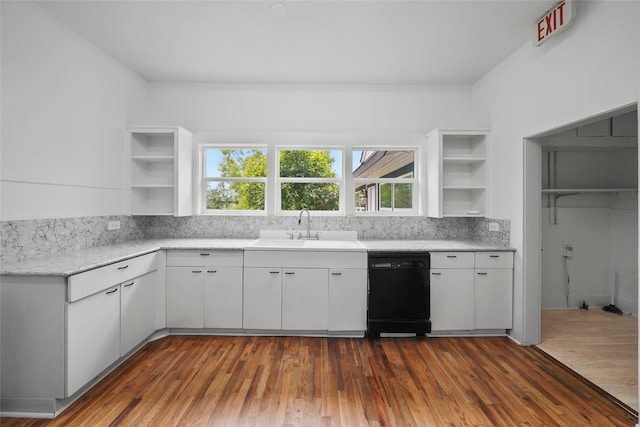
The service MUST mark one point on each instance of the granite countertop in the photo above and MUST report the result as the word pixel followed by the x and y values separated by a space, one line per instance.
pixel 74 262
pixel 432 246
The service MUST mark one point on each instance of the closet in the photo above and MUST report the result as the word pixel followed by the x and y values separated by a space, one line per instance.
pixel 589 218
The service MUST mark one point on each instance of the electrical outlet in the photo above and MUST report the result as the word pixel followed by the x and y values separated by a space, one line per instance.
pixel 567 251
pixel 113 225
pixel 494 226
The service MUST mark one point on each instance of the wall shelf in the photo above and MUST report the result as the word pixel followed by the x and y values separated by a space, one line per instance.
pixel 456 173
pixel 153 159
pixel 160 171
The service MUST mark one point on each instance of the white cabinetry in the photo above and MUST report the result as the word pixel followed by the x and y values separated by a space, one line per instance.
pixel 452 291
pixel 137 311
pixel 471 291
pixel 93 336
pixel 456 173
pixel 59 333
pixel 107 324
pixel 305 290
pixel 160 171
pixel 262 298
pixel 305 299
pixel 223 297
pixel 185 297
pixel 347 299
pixel 204 289
pixel 493 290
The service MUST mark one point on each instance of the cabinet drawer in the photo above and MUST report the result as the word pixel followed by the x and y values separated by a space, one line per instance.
pixel 494 259
pixel 194 258
pixel 89 282
pixel 452 259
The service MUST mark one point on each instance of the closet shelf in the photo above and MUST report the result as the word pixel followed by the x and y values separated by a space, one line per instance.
pixel 586 190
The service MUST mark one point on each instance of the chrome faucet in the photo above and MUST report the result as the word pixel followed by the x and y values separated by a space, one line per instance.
pixel 308 221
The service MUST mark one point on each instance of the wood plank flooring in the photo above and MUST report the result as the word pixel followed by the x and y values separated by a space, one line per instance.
pixel 600 346
pixel 309 381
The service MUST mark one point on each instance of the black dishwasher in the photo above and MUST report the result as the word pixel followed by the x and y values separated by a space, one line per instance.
pixel 399 293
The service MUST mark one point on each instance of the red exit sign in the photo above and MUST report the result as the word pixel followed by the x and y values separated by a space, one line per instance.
pixel 553 21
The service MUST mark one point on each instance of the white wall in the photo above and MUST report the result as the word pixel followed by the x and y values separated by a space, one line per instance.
pixel 590 68
pixel 65 106
pixel 309 108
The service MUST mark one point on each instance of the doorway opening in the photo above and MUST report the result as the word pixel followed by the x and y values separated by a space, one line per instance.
pixel 581 247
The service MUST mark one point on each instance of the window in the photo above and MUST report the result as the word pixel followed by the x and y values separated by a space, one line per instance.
pixel 384 181
pixel 309 179
pixel 234 179
pixel 274 178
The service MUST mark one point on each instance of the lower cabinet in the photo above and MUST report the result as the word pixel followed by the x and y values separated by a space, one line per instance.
pixel 452 299
pixel 223 298
pixel 185 297
pixel 305 299
pixel 347 299
pixel 305 291
pixel 493 298
pixel 137 311
pixel 93 336
pixel 493 290
pixel 471 291
pixel 107 325
pixel 204 289
pixel 262 298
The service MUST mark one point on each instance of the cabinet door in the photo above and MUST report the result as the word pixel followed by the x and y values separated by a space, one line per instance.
pixel 305 299
pixel 452 300
pixel 347 299
pixel 494 298
pixel 185 297
pixel 137 311
pixel 223 297
pixel 93 336
pixel 262 301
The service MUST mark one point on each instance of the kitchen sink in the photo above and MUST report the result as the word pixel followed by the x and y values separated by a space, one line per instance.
pixel 277 243
pixel 288 240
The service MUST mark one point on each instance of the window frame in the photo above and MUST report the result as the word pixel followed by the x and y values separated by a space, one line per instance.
pixel 203 180
pixel 340 180
pixel 416 201
pixel 273 144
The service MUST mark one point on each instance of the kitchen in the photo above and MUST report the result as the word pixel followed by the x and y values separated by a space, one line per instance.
pixel 58 142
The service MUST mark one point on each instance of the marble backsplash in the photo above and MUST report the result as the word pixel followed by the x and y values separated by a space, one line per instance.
pixel 28 238
pixel 44 237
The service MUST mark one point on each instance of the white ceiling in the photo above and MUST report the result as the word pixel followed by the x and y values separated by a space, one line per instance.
pixel 336 42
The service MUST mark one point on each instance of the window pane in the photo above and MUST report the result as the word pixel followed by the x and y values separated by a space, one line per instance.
pixel 383 164
pixel 235 195
pixel 235 163
pixel 373 197
pixel 386 196
pixel 310 163
pixel 313 196
pixel 403 196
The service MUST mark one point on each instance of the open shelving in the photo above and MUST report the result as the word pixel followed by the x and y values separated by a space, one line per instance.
pixel 456 173
pixel 160 171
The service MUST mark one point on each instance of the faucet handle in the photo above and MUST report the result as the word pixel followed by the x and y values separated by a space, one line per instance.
pixel 290 235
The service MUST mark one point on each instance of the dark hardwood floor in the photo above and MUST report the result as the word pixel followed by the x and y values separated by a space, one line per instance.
pixel 299 381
